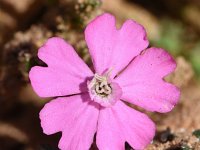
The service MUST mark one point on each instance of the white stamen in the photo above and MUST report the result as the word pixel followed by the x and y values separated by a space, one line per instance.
pixel 100 85
pixel 108 72
pixel 103 90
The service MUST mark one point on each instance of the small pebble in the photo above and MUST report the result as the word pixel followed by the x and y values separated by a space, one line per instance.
pixel 165 136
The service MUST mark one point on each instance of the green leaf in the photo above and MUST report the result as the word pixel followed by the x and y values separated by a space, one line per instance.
pixel 196 133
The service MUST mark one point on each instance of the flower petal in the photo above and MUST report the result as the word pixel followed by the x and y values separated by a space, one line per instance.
pixel 111 48
pixel 121 123
pixel 65 74
pixel 142 81
pixel 75 116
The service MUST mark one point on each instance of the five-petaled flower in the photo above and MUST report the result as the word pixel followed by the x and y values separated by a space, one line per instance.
pixel 93 102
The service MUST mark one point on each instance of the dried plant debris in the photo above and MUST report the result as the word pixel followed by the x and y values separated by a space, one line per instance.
pixel 20 51
pixel 16 15
pixel 81 12
pixel 182 140
pixel 19 55
pixel 85 11
pixel 179 147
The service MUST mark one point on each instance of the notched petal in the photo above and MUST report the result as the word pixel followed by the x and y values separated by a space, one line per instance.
pixel 75 116
pixel 66 71
pixel 111 48
pixel 120 124
pixel 142 81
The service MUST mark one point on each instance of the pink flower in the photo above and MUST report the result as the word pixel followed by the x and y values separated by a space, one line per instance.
pixel 90 103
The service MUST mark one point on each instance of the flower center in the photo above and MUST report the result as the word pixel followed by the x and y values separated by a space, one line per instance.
pixel 101 85
pixel 103 91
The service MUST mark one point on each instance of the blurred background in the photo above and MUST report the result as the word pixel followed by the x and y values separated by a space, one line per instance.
pixel 26 24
